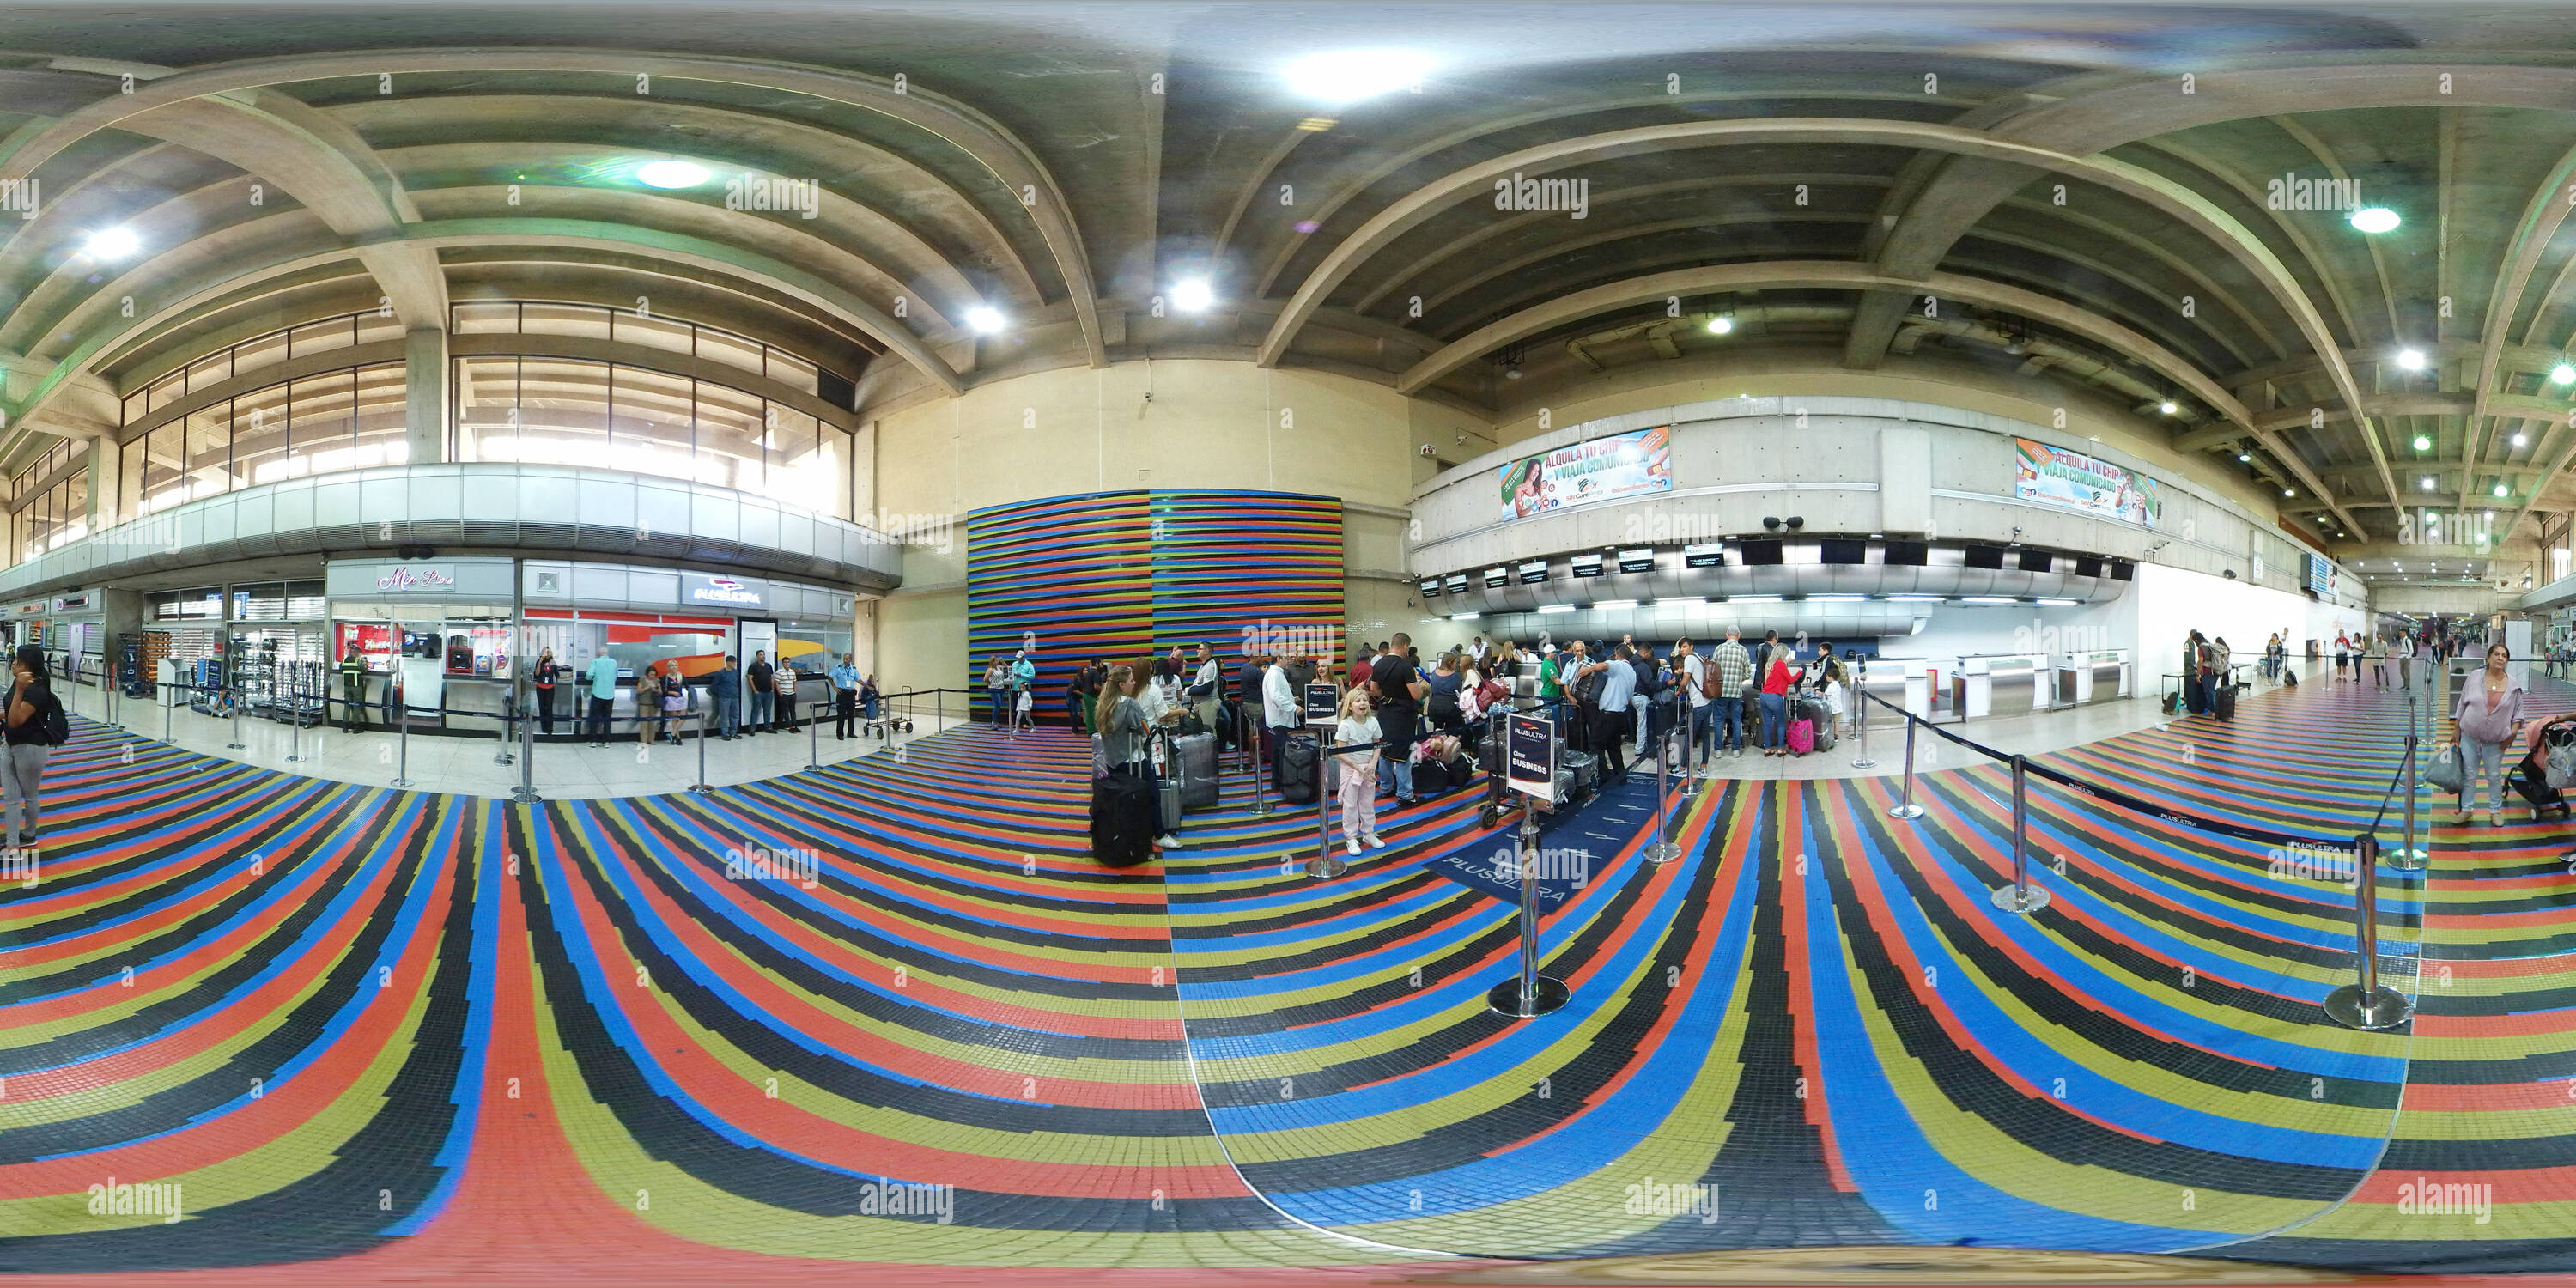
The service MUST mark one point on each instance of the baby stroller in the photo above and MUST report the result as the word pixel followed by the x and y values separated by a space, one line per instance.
pixel 2530 775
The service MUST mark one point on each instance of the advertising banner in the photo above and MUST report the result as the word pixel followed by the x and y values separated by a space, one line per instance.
pixel 2056 476
pixel 1601 469
pixel 2321 577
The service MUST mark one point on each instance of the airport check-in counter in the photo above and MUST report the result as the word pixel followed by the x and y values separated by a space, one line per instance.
pixel 2093 677
pixel 2013 685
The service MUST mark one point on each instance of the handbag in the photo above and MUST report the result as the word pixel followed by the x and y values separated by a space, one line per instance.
pixel 2448 769
pixel 2559 769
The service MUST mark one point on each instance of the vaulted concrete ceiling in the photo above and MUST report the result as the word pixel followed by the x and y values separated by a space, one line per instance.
pixel 2077 196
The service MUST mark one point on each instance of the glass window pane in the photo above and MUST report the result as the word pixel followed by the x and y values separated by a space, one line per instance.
pixel 71 514
pixel 652 333
pixel 375 327
pixel 563 412
pixel 649 431
pixel 319 337
pixel 210 452
pixel 134 405
pixel 259 436
pixel 564 319
pixel 163 485
pixel 317 434
pixel 487 317
pixel 129 481
pixel 729 349
pixel 487 409
pixel 383 420
pixel 209 371
pixel 791 371
pixel 260 351
pixel 790 444
pixel 729 434
pixel 168 389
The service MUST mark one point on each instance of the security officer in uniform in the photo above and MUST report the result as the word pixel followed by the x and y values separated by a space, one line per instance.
pixel 353 691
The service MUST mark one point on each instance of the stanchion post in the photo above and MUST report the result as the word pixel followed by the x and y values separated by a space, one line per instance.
pixel 1528 994
pixel 1860 703
pixel 1906 808
pixel 2021 896
pixel 813 744
pixel 2410 857
pixel 701 786
pixel 295 731
pixel 2366 1003
pixel 526 791
pixel 1260 798
pixel 166 712
pixel 1662 850
pixel 1325 865
pixel 402 734
pixel 236 744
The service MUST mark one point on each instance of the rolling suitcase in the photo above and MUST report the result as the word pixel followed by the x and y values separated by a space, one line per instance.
pixel 1122 820
pixel 1170 806
pixel 1825 738
pixel 1432 778
pixel 2226 703
pixel 1195 758
pixel 1802 736
pixel 1293 772
pixel 1585 767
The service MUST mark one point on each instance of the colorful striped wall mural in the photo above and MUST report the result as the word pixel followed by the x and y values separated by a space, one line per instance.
pixel 1119 575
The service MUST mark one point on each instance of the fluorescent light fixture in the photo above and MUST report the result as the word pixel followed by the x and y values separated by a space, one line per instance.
pixel 1464 617
pixel 112 243
pixel 1556 608
pixel 1347 76
pixel 1682 601
pixel 1721 324
pixel 2059 603
pixel 2375 220
pixel 1987 599
pixel 983 320
pixel 1914 599
pixel 671 174
pixel 1608 604
pixel 2167 407
pixel 1193 295
pixel 2411 359
pixel 1757 599
pixel 1835 599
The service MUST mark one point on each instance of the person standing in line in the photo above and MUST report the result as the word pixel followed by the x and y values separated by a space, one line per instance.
pixel 1551 688
pixel 1734 674
pixel 1617 709
pixel 1691 671
pixel 1397 702
pixel 1281 709
pixel 603 697
pixel 724 689
pixel 1442 709
pixel 675 703
pixel 1125 728
pixel 784 682
pixel 1356 727
pixel 29 713
pixel 1777 678
pixel 353 690
pixel 648 703
pixel 2489 716
pixel 543 681
pixel 764 692
pixel 845 699
pixel 1641 703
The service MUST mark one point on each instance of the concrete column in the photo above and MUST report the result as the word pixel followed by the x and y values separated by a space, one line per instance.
pixel 105 463
pixel 425 377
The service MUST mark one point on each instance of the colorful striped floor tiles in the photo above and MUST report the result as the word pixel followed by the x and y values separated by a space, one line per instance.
pixel 889 1017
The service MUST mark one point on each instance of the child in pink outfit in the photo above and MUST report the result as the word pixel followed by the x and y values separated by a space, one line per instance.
pixel 1359 772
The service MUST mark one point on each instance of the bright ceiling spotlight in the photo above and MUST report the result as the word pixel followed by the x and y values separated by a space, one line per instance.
pixel 2499 489
pixel 2520 439
pixel 2167 407
pixel 1193 295
pixel 2289 491
pixel 1354 74
pixel 2423 443
pixel 2562 374
pixel 112 243
pixel 2245 456
pixel 2411 359
pixel 983 321
pixel 671 174
pixel 2428 482
pixel 2375 219
pixel 1720 325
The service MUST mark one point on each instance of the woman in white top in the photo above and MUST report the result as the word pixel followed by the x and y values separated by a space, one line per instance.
pixel 1359 772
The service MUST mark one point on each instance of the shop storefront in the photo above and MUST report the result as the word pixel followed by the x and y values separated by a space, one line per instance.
pixel 71 627
pixel 438 632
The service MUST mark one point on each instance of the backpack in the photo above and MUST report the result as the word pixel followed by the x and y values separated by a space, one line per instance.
pixel 1587 690
pixel 1708 684
pixel 57 729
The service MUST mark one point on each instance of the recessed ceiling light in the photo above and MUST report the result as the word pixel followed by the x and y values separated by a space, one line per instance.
pixel 983 321
pixel 1721 324
pixel 2499 489
pixel 112 243
pixel 671 174
pixel 2520 439
pixel 2428 482
pixel 2562 374
pixel 2289 491
pixel 1351 75
pixel 2423 443
pixel 1193 295
pixel 2245 456
pixel 2167 408
pixel 2375 219
pixel 2411 359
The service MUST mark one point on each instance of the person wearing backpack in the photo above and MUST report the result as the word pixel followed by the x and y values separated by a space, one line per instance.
pixel 1692 672
pixel 34 727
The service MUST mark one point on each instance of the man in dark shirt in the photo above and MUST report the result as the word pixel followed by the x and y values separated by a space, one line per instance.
pixel 763 701
pixel 1398 690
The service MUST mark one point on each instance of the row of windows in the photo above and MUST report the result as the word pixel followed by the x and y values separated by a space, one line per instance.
pixel 645 331
pixel 299 341
pixel 340 420
pixel 55 516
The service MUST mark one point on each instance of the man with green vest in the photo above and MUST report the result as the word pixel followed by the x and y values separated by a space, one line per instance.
pixel 353 691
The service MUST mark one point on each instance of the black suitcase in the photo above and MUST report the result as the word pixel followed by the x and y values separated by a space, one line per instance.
pixel 1194 758
pixel 2226 703
pixel 1293 773
pixel 1122 820
pixel 1432 778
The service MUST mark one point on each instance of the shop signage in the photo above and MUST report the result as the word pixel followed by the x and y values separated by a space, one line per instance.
pixel 2074 481
pixel 79 603
pixel 407 578
pixel 1599 469
pixel 720 592
pixel 1531 744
